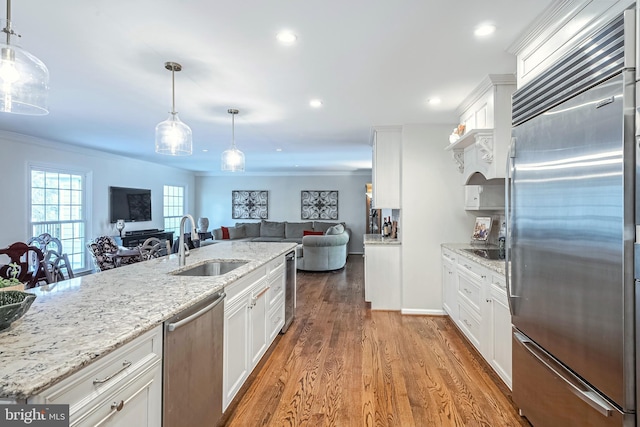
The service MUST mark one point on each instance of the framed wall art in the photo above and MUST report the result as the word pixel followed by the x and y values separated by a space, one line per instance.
pixel 319 204
pixel 249 204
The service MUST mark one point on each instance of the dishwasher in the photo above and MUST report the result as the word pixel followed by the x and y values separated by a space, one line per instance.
pixel 192 365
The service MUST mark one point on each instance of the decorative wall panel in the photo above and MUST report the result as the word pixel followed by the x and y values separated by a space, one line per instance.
pixel 250 204
pixel 319 204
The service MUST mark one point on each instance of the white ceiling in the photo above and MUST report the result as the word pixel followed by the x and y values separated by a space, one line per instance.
pixel 373 62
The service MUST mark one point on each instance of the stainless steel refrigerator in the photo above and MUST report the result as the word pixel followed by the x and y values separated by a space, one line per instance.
pixel 571 231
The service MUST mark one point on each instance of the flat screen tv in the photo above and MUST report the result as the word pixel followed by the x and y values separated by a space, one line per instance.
pixel 130 204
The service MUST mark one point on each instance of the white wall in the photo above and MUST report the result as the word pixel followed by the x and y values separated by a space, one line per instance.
pixel 213 198
pixel 17 152
pixel 432 213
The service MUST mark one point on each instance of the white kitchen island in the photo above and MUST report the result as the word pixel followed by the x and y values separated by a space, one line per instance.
pixel 74 323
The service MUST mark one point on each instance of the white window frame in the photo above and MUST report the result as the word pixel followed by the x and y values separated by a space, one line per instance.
pixel 176 215
pixel 85 264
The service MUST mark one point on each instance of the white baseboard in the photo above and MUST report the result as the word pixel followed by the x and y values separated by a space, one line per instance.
pixel 421 312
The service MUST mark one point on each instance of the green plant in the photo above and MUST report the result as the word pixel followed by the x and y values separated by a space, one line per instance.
pixel 13 270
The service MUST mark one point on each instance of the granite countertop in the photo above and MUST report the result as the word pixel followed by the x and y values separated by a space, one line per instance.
pixel 459 248
pixel 377 239
pixel 73 322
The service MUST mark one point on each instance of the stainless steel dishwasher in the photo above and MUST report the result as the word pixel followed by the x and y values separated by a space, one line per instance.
pixel 192 365
pixel 290 288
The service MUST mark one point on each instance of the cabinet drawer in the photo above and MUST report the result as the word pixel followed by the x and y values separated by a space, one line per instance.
pixel 136 402
pixel 448 255
pixel 240 287
pixel 469 324
pixel 276 290
pixel 107 373
pixel 499 281
pixel 469 289
pixel 276 265
pixel 276 321
pixel 475 270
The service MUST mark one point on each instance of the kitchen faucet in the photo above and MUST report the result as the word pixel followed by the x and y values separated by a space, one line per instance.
pixel 194 236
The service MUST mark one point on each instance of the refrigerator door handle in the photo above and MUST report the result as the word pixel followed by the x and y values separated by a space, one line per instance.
pixel 575 385
pixel 509 208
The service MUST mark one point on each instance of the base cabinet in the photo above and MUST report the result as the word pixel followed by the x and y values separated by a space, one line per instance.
pixel 253 316
pixel 383 273
pixel 475 298
pixel 124 388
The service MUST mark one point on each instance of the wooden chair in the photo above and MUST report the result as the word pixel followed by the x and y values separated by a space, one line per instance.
pixel 28 260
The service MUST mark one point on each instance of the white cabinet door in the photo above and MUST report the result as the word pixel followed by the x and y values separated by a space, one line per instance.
pixel 383 276
pixel 258 322
pixel 236 348
pixel 498 346
pixel 387 149
pixel 449 284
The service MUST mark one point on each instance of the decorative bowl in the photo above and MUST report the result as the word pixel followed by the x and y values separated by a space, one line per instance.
pixel 13 305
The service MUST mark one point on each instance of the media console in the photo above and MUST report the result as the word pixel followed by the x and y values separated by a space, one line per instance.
pixel 134 238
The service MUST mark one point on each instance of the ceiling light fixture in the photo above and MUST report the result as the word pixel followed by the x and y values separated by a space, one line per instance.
pixel 286 37
pixel 24 79
pixel 484 30
pixel 315 103
pixel 434 101
pixel 173 137
pixel 233 159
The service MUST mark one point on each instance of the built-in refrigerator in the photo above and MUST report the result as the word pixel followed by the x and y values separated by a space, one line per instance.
pixel 570 236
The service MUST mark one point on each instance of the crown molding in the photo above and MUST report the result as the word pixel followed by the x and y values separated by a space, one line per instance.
pixel 487 83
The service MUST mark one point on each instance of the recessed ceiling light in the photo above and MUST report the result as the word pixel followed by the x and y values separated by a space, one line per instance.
pixel 204 150
pixel 278 149
pixel 434 101
pixel 315 103
pixel 484 30
pixel 286 37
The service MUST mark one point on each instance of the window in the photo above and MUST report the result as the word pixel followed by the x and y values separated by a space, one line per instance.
pixel 173 208
pixel 57 208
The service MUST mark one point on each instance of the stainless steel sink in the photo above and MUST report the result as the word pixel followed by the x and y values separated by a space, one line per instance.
pixel 212 268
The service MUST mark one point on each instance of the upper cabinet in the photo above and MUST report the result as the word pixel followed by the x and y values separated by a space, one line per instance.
pixel 561 27
pixel 387 150
pixel 485 116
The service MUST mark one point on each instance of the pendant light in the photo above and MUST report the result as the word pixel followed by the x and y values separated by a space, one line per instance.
pixel 24 79
pixel 233 159
pixel 173 137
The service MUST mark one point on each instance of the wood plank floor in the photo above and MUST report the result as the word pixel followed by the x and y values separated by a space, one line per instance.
pixel 340 364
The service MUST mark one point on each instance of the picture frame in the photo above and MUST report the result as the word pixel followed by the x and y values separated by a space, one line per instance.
pixel 319 204
pixel 249 204
pixel 481 229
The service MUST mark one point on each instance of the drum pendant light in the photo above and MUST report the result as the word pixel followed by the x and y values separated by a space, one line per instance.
pixel 173 137
pixel 24 79
pixel 233 159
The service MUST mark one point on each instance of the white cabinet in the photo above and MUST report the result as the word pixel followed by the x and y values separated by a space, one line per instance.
pixel 497 340
pixel 383 276
pixel 253 316
pixel 124 388
pixel 484 197
pixel 475 298
pixel 449 283
pixel 486 115
pixel 386 170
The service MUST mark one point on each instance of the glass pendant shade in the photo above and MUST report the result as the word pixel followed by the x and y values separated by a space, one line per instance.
pixel 173 137
pixel 24 81
pixel 232 158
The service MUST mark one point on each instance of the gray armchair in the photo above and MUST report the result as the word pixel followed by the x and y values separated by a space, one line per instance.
pixel 326 252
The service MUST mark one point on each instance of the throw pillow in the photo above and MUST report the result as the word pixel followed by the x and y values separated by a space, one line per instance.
pixel 225 233
pixel 236 232
pixel 251 229
pixel 336 229
pixel 271 229
pixel 312 233
pixel 295 230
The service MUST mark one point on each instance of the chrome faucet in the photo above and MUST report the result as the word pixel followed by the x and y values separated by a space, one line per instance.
pixel 181 246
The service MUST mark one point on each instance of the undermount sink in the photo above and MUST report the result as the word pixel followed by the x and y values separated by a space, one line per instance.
pixel 211 268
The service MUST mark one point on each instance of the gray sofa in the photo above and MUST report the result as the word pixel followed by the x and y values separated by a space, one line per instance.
pixel 325 250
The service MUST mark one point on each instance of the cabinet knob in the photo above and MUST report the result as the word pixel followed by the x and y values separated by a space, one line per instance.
pixel 488 300
pixel 117 406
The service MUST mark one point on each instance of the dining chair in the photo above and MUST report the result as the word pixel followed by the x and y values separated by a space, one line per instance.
pixel 26 263
pixel 56 262
pixel 153 248
pixel 104 251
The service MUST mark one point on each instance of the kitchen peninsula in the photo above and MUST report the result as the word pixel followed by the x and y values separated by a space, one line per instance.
pixel 73 323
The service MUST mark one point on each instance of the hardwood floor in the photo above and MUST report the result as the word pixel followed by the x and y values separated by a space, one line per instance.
pixel 340 364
